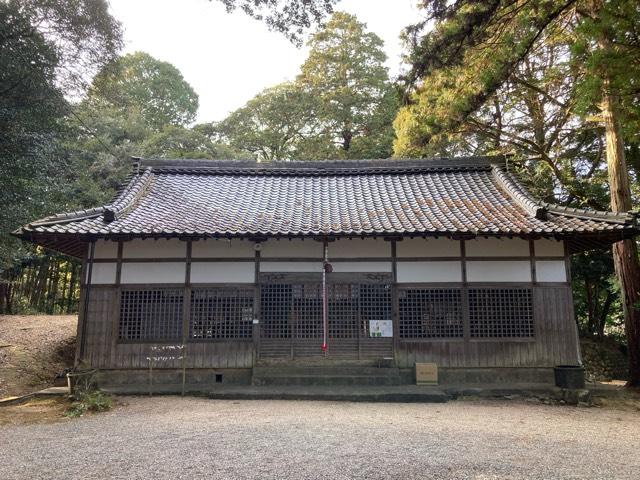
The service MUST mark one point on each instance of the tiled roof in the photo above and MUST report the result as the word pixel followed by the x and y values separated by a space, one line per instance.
pixel 466 196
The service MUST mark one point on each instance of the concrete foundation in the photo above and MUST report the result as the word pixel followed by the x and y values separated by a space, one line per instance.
pixel 205 379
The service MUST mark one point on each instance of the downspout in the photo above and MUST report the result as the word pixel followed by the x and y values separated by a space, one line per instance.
pixel 85 306
pixel 325 304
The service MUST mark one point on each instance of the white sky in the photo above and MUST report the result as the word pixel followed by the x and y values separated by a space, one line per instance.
pixel 227 58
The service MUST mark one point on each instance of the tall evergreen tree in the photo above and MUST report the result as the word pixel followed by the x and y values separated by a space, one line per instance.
pixel 272 124
pixel 346 75
pixel 341 105
pixel 136 105
pixel 139 83
pixel 292 18
pixel 476 46
pixel 46 47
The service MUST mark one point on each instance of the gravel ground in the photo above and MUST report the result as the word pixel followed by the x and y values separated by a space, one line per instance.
pixel 33 348
pixel 173 437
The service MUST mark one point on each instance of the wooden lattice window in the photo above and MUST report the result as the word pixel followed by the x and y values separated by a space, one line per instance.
pixel 151 314
pixel 306 310
pixel 430 313
pixel 295 310
pixel 221 313
pixel 501 312
pixel 343 305
pixel 291 310
pixel 275 310
pixel 352 306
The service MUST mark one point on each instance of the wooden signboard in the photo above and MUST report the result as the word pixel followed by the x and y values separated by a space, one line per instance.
pixel 426 373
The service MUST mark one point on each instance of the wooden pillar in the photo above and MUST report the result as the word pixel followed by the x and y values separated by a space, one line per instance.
pixel 117 291
pixel 256 306
pixel 186 305
pixel 82 326
pixel 466 325
pixel 532 259
pixel 81 312
pixel 571 305
pixel 395 309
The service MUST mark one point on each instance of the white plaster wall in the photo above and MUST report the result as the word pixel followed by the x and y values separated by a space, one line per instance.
pixel 361 267
pixel 414 272
pixel 102 274
pixel 546 247
pixel 359 248
pixel 105 249
pixel 295 248
pixel 272 267
pixel 551 271
pixel 222 272
pixel 219 248
pixel 428 247
pixel 167 272
pixel 149 248
pixel 505 271
pixel 497 247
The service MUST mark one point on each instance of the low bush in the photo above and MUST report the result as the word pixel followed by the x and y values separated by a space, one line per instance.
pixel 89 401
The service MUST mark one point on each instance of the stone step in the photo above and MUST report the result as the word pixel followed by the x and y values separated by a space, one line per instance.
pixel 327 380
pixel 400 393
pixel 324 370
pixel 325 376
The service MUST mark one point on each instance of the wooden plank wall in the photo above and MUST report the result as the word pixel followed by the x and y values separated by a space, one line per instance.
pixel 555 342
pixel 103 351
pixel 555 339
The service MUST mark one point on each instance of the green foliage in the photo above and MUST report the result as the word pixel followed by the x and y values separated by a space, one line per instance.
pixel 82 32
pixel 138 84
pixel 179 142
pixel 478 51
pixel 526 79
pixel 291 18
pixel 136 106
pixel 341 105
pixel 596 294
pixel 470 53
pixel 41 282
pixel 271 124
pixel 44 44
pixel 345 74
pixel 89 401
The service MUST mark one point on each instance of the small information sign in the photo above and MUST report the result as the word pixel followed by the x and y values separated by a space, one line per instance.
pixel 426 373
pixel 380 328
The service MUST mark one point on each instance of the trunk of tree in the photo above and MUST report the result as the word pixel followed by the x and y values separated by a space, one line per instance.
pixel 590 308
pixel 625 253
pixel 65 283
pixel 347 135
pixel 72 288
pixel 602 319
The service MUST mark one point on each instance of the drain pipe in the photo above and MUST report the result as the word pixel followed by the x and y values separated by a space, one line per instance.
pixel 325 305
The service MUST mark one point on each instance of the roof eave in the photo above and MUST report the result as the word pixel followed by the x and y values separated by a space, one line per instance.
pixel 75 244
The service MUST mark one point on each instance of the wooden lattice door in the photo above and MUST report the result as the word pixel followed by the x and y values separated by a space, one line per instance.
pixel 291 320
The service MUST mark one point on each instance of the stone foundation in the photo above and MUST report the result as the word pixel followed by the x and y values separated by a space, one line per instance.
pixel 604 361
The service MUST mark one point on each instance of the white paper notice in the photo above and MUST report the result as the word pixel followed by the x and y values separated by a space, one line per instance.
pixel 380 328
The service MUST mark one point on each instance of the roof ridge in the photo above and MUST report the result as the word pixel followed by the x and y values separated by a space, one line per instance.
pixel 317 167
pixel 523 198
pixel 539 209
pixel 67 217
pixel 132 192
pixel 122 202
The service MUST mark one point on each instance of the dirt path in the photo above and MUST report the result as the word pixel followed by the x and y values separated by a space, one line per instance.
pixel 33 348
pixel 192 438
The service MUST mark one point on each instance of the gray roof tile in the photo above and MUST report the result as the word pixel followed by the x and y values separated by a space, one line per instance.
pixel 428 197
